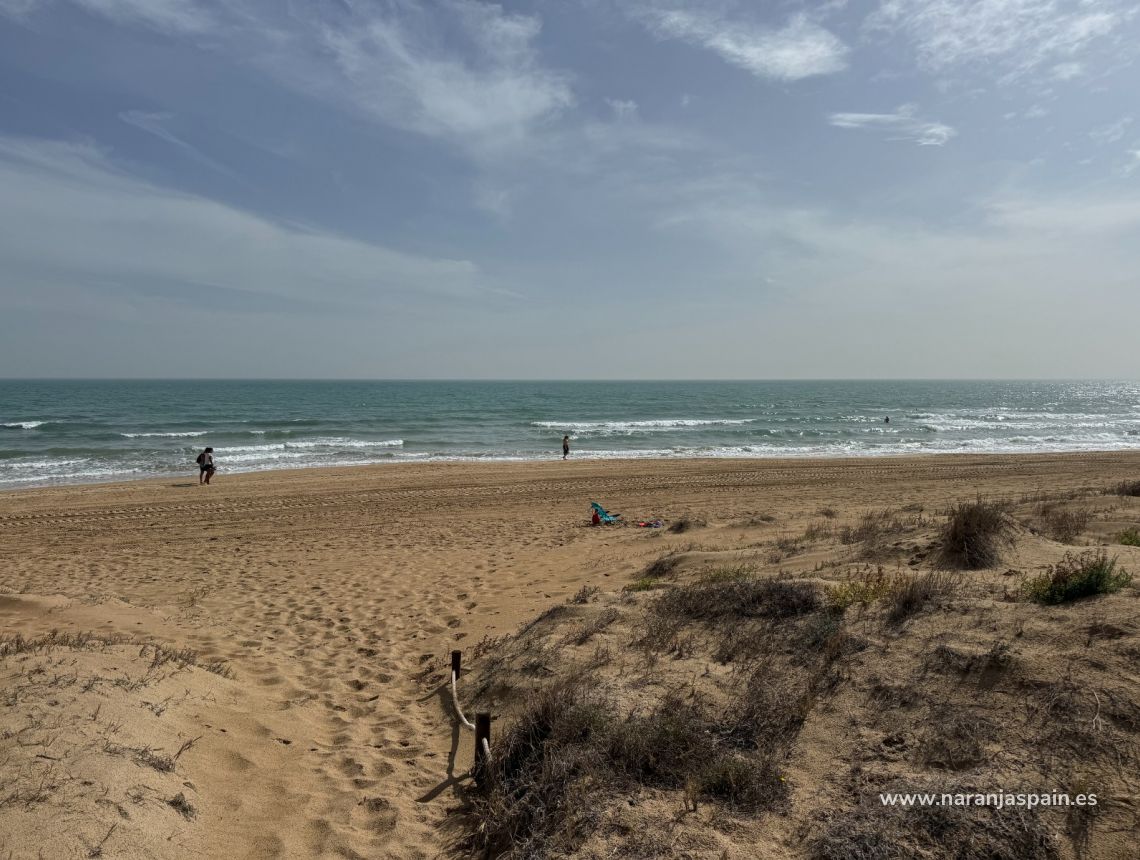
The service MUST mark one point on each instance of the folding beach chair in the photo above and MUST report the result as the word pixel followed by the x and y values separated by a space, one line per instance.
pixel 605 516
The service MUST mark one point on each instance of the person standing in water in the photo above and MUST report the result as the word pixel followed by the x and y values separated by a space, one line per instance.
pixel 205 466
pixel 565 447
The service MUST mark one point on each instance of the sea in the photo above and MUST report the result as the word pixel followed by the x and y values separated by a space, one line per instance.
pixel 67 432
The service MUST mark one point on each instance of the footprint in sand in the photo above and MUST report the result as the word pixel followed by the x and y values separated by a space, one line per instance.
pixel 381 813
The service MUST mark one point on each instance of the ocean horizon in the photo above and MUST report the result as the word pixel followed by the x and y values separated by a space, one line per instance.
pixel 90 430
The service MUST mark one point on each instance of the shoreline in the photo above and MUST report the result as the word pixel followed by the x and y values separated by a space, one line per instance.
pixel 554 460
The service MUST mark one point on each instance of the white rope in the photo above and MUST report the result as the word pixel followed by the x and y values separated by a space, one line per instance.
pixel 459 710
pixel 486 748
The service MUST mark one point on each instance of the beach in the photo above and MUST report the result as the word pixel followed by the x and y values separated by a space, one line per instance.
pixel 294 626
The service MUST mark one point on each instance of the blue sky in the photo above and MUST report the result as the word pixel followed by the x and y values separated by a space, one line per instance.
pixel 569 188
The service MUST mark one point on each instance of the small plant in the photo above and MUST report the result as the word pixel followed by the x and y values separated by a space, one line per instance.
pixel 975 533
pixel 828 513
pixel 864 589
pixel 684 524
pixel 816 531
pixel 1129 537
pixel 1127 488
pixel 1066 524
pixel 1075 577
pixel 585 595
pixel 595 625
pixel 909 595
pixel 182 806
pixel 645 583
pixel 662 567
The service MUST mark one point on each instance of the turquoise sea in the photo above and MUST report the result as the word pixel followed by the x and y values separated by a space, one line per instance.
pixel 57 432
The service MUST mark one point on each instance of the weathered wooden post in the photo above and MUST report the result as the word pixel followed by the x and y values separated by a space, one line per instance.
pixel 482 744
pixel 456 661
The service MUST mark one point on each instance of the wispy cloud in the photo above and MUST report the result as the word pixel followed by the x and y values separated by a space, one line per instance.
pixel 903 124
pixel 158 124
pixel 123 231
pixel 1016 35
pixel 488 93
pixel 799 49
pixel 1111 132
pixel 623 108
pixel 167 16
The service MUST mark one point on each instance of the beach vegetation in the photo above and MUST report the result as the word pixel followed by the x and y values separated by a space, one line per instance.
pixel 584 595
pixel 975 533
pixel 685 524
pixel 1127 488
pixel 571 746
pixel 1129 537
pixel 1075 577
pixel 1064 525
pixel 743 596
pixel 662 567
pixel 909 595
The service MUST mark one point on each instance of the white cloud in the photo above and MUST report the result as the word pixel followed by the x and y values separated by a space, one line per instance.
pixel 1067 71
pixel 623 109
pixel 1017 35
pixel 1112 132
pixel 74 225
pixel 487 95
pixel 166 16
pixel 900 125
pixel 175 16
pixel 799 49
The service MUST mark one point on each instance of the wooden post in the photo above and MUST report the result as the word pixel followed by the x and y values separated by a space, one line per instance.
pixel 456 661
pixel 482 733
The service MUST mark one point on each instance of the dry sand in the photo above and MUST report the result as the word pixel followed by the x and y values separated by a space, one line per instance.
pixel 332 598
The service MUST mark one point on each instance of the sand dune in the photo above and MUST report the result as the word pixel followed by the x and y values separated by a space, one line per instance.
pixel 301 622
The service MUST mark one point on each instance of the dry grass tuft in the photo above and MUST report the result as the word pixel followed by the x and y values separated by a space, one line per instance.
pixel 1127 488
pixel 570 749
pixel 1064 525
pixel 909 595
pixel 584 595
pixel 740 597
pixel 663 567
pixel 685 524
pixel 875 831
pixel 975 534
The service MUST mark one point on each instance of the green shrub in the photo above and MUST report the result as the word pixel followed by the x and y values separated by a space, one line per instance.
pixel 1129 537
pixel 1076 577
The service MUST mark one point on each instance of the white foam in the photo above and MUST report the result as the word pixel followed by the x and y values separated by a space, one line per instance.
pixel 180 435
pixel 628 428
pixel 336 443
pixel 24 425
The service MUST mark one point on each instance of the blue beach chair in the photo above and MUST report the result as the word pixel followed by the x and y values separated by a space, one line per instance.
pixel 605 516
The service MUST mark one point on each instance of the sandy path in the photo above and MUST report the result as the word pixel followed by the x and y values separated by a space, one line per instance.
pixel 330 592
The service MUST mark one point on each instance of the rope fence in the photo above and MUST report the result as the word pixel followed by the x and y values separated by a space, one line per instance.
pixel 481 726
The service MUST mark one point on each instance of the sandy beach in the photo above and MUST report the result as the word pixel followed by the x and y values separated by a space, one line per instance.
pixel 253 669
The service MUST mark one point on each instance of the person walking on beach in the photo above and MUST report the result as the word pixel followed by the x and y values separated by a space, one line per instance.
pixel 565 447
pixel 205 466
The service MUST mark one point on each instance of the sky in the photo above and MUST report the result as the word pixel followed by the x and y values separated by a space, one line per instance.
pixel 570 189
